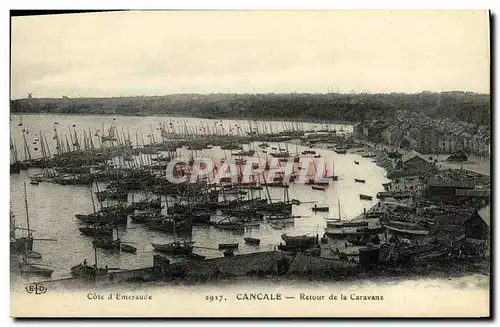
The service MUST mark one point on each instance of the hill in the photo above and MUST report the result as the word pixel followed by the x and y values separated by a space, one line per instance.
pixel 464 106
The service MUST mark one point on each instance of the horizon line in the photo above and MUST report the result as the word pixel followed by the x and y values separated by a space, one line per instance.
pixel 256 93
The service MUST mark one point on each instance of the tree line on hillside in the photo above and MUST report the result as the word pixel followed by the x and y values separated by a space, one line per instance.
pixel 464 106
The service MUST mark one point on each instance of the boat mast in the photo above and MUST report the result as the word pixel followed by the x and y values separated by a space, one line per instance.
pixel 26 205
pixel 340 217
pixel 95 257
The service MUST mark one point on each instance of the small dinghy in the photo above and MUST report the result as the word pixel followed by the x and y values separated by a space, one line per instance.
pixel 251 240
pixel 359 180
pixel 356 162
pixel 365 197
pixel 128 248
pixel 33 269
pixel 320 209
pixel 318 187
pixel 33 255
pixel 224 246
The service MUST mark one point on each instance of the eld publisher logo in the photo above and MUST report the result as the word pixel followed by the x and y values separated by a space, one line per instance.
pixel 36 288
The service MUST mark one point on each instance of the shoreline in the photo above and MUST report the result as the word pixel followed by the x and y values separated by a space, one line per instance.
pixel 381 276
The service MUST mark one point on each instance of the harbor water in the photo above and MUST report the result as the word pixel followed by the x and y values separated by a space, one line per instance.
pixel 52 207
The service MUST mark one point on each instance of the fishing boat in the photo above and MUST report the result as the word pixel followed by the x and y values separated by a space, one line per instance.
pixel 340 151
pixel 145 217
pixel 25 266
pixel 175 248
pixel 346 224
pixel 383 195
pixel 312 181
pixel 90 272
pixel 106 243
pixel 365 197
pixel 96 231
pixel 333 177
pixel 112 195
pixel 35 269
pixel 320 209
pixel 20 245
pixel 336 228
pixel 85 271
pixel 251 240
pixel 318 187
pixel 357 180
pixel 308 152
pixel 406 228
pixel 116 218
pixel 170 225
pixel 224 246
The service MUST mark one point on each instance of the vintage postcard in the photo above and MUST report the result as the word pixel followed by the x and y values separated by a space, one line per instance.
pixel 250 164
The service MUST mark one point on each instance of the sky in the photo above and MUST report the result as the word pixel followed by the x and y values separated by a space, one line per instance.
pixel 168 52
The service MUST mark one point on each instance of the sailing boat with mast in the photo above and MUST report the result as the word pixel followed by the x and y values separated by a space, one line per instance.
pixel 333 176
pixel 25 266
pixel 106 242
pixel 34 269
pixel 176 247
pixel 85 271
pixel 336 228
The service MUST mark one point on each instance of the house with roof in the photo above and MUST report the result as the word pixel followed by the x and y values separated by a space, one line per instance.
pixel 413 160
pixel 428 141
pixel 413 136
pixel 392 135
pixel 357 130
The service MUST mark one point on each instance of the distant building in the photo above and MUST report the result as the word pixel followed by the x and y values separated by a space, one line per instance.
pixel 413 137
pixel 467 139
pixel 414 161
pixel 357 130
pixel 392 135
pixel 428 140
pixel 373 131
pixel 448 143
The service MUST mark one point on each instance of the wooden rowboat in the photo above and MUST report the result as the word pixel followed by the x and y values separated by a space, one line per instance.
pixel 251 240
pixel 224 246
